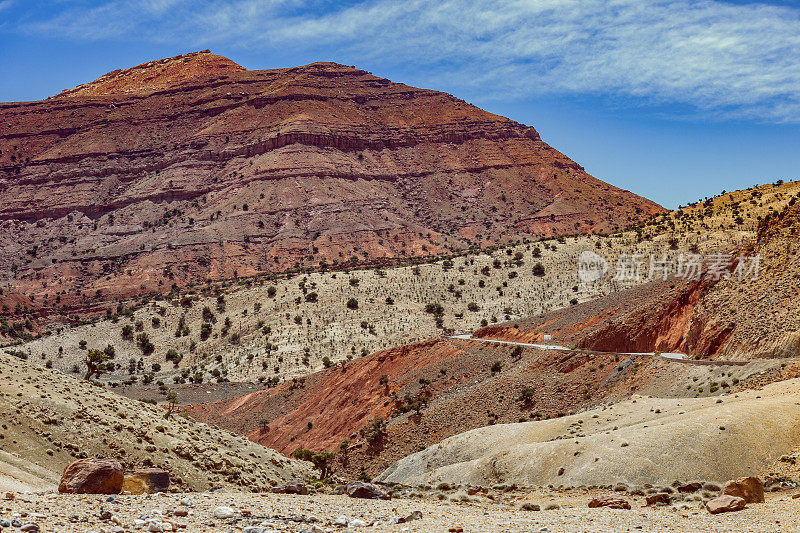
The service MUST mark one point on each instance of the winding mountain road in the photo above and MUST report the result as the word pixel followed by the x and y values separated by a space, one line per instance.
pixel 469 337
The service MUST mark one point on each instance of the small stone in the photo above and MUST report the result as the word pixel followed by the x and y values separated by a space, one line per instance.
pixel 180 512
pixel 10 495
pixel 341 521
pixel 357 523
pixel 366 490
pixel 610 501
pixel 30 527
pixel 690 488
pixel 725 504
pixel 659 498
pixel 224 512
pixel 456 530
pixel 293 487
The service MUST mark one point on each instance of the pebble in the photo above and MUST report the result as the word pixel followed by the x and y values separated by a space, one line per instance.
pixel 356 523
pixel 341 521
pixel 30 527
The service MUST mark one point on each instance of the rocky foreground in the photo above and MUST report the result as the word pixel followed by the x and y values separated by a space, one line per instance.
pixel 494 511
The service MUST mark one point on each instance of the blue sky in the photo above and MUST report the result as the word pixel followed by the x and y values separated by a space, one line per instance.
pixel 672 99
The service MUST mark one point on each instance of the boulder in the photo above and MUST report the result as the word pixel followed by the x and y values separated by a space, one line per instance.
pixel 146 481
pixel 659 498
pixel 751 489
pixel 725 504
pixel 92 476
pixel 293 487
pixel 610 500
pixel 366 490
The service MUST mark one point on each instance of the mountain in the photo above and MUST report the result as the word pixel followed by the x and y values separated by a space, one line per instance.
pixel 193 168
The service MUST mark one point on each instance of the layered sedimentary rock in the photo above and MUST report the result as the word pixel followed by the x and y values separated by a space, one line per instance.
pixel 193 168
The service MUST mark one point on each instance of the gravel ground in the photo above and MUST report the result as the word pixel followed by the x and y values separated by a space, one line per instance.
pixel 316 513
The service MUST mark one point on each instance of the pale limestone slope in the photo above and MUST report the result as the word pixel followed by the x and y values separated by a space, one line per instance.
pixel 48 419
pixel 628 443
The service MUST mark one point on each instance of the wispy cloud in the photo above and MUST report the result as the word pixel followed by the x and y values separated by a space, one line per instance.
pixel 724 59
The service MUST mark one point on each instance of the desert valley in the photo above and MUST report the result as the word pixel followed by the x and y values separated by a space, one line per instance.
pixel 314 299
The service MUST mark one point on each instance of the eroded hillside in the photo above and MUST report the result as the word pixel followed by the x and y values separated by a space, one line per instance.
pixel 48 420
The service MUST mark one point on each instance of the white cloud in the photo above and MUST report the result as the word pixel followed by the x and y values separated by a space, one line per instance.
pixel 728 60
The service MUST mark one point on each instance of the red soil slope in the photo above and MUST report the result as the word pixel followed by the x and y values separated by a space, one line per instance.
pixel 464 393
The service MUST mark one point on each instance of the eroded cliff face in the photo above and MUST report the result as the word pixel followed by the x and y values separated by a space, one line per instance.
pixel 193 168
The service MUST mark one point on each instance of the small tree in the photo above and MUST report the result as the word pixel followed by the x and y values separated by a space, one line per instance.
pixel 322 461
pixel 95 362
pixel 526 395
pixel 143 340
pixel 172 403
pixel 374 431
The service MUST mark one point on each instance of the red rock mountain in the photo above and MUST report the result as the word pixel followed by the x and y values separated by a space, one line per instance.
pixel 193 168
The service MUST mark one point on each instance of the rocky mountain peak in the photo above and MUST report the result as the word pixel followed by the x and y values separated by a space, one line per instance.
pixel 156 75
